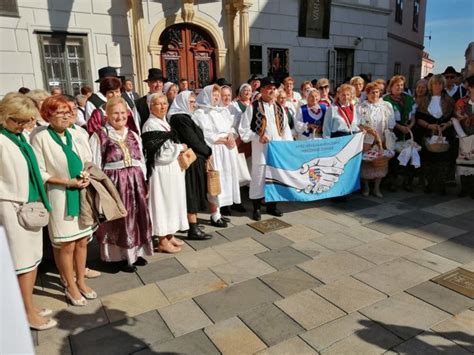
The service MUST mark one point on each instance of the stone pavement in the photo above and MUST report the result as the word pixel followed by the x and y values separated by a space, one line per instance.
pixel 345 278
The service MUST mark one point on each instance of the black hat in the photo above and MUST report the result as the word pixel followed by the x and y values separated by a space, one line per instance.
pixel 268 80
pixel 450 70
pixel 252 78
pixel 223 82
pixel 106 72
pixel 155 74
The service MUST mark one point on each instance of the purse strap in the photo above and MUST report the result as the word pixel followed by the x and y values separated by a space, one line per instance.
pixel 209 165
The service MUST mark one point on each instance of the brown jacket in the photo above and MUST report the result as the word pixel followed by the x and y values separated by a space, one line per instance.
pixel 100 201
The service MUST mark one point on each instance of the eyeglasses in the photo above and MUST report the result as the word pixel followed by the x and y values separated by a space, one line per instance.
pixel 62 115
pixel 326 87
pixel 20 122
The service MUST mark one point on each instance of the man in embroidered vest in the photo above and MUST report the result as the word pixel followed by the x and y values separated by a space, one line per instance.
pixel 263 121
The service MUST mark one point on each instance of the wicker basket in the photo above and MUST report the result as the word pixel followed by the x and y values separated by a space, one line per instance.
pixel 381 162
pixel 399 149
pixel 439 146
pixel 213 179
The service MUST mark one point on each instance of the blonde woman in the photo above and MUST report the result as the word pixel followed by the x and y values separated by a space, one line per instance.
pixel 341 118
pixel 21 182
pixel 358 83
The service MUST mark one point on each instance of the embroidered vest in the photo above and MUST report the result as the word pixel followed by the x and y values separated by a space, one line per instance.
pixel 259 121
pixel 308 119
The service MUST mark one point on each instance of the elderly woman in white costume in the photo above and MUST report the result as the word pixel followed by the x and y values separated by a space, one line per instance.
pixel 166 179
pixel 263 121
pixel 217 126
pixel 376 115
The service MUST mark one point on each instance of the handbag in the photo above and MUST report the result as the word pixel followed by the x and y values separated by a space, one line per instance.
pixel 32 215
pixel 186 158
pixel 213 179
pixel 466 151
pixel 243 170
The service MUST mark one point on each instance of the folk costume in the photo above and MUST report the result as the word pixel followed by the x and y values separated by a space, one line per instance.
pixel 121 158
pixel 465 160
pixel 309 115
pixel 262 118
pixel 167 201
pixel 216 122
pixel 98 119
pixel 340 121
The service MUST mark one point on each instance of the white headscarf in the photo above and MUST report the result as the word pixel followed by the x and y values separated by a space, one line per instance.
pixel 167 86
pixel 180 104
pixel 204 99
pixel 243 86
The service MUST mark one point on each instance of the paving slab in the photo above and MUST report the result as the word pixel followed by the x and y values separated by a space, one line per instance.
pixel 350 294
pixel 432 261
pixel 337 241
pixel 239 232
pixel 430 343
pixel 468 266
pixel 200 260
pixel 273 240
pixel 332 267
pixel 353 204
pixel 404 315
pixel 298 233
pixel 324 336
pixel 291 346
pixel 289 281
pixel 161 270
pixel 373 339
pixel 427 200
pixel 463 221
pixel 184 317
pixel 395 276
pixel 133 302
pixel 53 347
pixel 395 224
pixel 459 329
pixel 202 244
pixel 460 249
pixel 364 234
pixel 376 213
pixel 231 336
pixel 122 337
pixel 109 283
pixel 241 270
pixel 190 285
pixel 237 299
pixel 297 306
pixel 312 249
pixel 410 240
pixel 381 251
pixel 326 226
pixel 239 249
pixel 49 298
pixel 441 297
pixel 283 258
pixel 437 232
pixel 196 343
pixel 270 324
pixel 451 208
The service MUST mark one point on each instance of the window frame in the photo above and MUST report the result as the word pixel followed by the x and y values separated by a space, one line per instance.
pixel 13 12
pixel 416 15
pixel 64 39
pixel 399 11
pixel 256 59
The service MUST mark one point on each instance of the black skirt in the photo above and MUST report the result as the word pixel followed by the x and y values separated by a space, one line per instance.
pixel 196 186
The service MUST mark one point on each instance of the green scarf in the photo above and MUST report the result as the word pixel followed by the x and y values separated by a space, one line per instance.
pixel 404 107
pixel 36 187
pixel 74 165
pixel 241 106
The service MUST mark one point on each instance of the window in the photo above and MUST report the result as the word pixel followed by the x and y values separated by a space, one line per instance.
pixel 314 20
pixel 399 11
pixel 65 62
pixel 9 8
pixel 344 66
pixel 256 60
pixel 397 68
pixel 416 14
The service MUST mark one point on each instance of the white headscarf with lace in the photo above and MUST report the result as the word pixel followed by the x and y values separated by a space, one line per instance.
pixel 180 104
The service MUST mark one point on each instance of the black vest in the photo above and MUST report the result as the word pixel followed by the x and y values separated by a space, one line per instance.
pixel 253 123
pixel 96 100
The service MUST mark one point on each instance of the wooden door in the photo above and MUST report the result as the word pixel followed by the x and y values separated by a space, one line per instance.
pixel 188 52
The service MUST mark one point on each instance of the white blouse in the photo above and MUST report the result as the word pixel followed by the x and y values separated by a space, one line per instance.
pixel 434 108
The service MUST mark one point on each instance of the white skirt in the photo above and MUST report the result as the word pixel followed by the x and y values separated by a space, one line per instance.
pixel 167 202
pixel 225 161
pixel 26 247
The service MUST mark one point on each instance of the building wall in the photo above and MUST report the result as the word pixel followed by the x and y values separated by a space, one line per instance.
pixel 103 21
pixel 469 55
pixel 405 46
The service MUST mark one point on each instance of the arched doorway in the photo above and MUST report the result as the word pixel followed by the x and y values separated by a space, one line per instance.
pixel 188 52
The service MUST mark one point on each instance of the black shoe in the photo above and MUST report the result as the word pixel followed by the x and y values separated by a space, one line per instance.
pixel 125 267
pixel 274 211
pixel 194 233
pixel 140 261
pixel 239 207
pixel 220 223
pixel 225 211
pixel 225 219
pixel 257 215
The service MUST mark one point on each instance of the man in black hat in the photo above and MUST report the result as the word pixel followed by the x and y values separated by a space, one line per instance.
pixel 263 121
pixel 155 83
pixel 223 82
pixel 96 100
pixel 456 92
pixel 254 82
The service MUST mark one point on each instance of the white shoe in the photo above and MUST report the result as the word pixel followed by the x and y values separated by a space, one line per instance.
pixel 81 302
pixel 45 312
pixel 51 323
pixel 89 295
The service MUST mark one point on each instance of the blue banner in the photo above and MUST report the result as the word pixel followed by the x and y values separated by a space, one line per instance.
pixel 314 169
